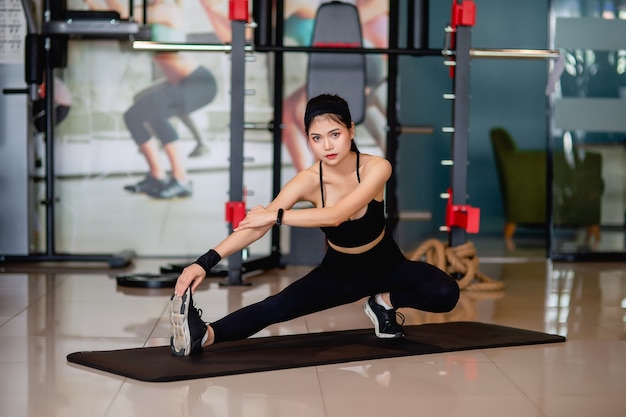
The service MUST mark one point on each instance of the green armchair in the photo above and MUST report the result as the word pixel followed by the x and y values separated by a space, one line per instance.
pixel 577 191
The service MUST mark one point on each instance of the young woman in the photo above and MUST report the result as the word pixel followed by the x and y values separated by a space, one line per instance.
pixel 362 260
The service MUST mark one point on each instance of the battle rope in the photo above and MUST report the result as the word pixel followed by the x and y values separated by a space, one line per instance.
pixel 457 260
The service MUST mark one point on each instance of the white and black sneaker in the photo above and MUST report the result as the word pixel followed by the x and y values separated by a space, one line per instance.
pixel 147 185
pixel 385 324
pixel 188 329
pixel 172 189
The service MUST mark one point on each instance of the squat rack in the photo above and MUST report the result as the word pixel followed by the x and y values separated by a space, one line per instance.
pixel 460 217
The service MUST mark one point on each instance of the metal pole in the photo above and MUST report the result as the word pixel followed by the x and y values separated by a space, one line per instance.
pixel 460 136
pixel 391 196
pixel 277 131
pixel 49 129
pixel 514 53
pixel 235 261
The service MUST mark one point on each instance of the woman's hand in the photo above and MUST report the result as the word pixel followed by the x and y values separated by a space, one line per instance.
pixel 192 276
pixel 258 216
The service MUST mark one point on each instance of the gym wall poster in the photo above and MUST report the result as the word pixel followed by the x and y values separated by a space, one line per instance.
pixel 142 156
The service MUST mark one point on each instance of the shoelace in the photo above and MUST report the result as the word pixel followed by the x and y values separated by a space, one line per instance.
pixel 398 314
pixel 199 310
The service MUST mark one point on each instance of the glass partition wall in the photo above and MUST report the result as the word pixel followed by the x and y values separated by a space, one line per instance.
pixel 588 130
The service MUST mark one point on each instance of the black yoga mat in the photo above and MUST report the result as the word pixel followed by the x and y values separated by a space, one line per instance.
pixel 156 364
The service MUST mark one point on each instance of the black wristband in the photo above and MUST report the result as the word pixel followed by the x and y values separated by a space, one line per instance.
pixel 279 217
pixel 208 260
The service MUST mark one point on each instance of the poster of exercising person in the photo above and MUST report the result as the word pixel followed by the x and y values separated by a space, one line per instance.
pixel 142 160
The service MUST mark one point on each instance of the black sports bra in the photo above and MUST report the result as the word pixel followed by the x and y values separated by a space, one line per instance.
pixel 357 232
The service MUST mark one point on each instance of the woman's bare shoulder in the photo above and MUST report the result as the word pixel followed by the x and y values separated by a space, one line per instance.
pixel 374 162
pixel 306 183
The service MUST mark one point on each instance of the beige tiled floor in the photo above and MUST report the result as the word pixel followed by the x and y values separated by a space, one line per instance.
pixel 48 313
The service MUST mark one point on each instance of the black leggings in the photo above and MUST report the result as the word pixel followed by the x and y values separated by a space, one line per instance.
pixel 156 104
pixel 342 279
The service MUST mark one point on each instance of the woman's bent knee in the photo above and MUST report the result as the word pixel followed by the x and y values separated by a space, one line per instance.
pixel 449 295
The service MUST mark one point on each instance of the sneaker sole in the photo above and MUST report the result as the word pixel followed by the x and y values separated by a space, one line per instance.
pixel 374 319
pixel 180 341
pixel 196 153
pixel 183 194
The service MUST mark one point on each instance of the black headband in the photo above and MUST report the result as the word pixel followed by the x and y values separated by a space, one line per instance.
pixel 325 107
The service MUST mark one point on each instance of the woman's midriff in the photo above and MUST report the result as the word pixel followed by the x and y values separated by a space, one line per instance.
pixel 174 66
pixel 359 249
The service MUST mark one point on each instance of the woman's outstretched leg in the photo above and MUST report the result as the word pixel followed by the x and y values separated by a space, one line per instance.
pixel 320 289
